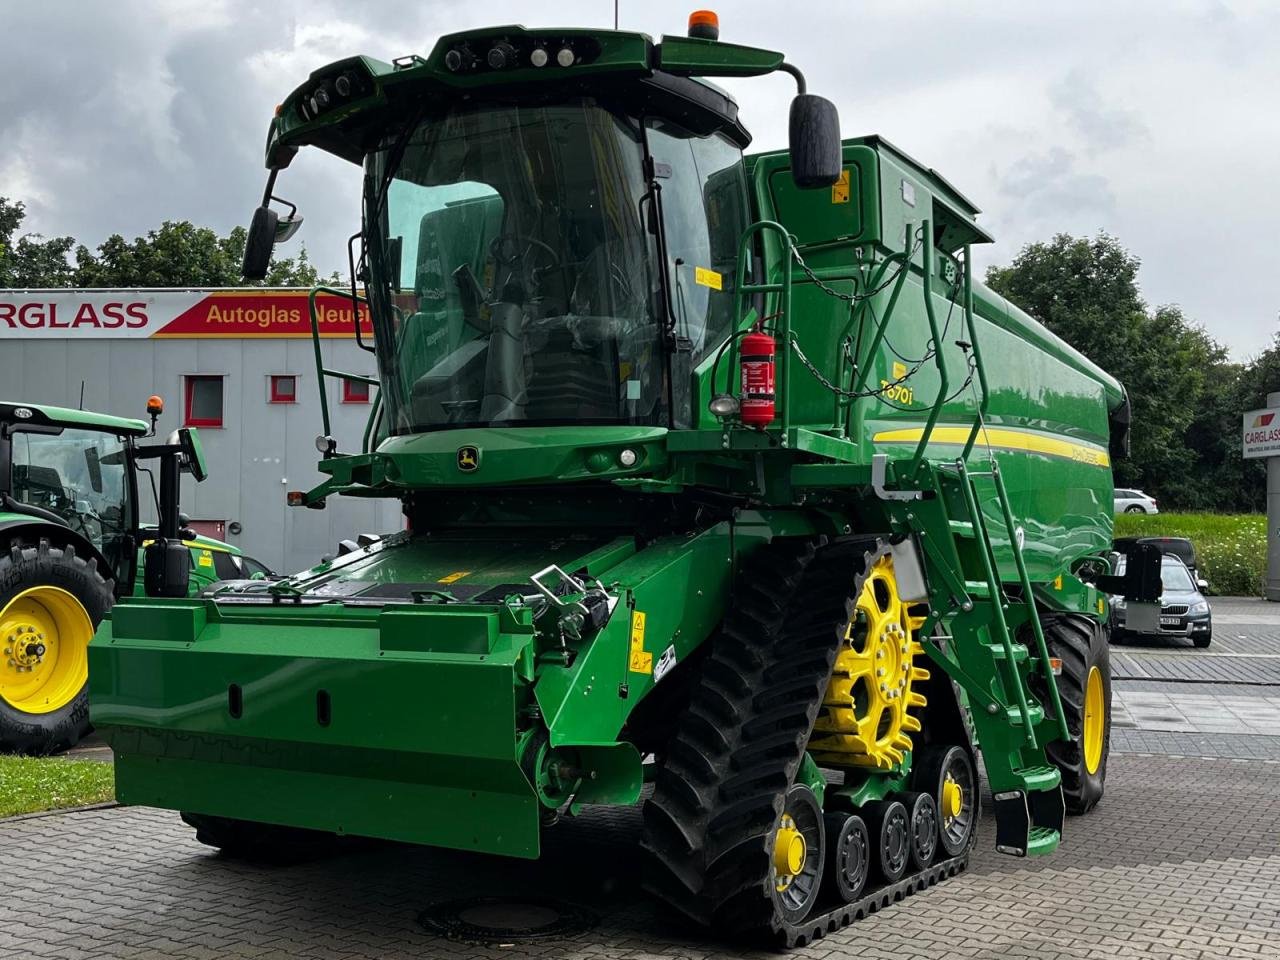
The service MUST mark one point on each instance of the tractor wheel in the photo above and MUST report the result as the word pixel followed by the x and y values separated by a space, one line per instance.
pixel 890 827
pixel 717 823
pixel 1085 688
pixel 51 601
pixel 947 775
pixel 265 843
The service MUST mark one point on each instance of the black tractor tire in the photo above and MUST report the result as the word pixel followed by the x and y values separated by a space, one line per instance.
pixel 889 823
pixel 262 843
pixel 925 829
pixel 1081 643
pixel 37 563
pixel 849 854
pixel 710 825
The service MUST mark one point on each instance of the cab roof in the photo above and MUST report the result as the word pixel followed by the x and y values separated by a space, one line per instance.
pixel 12 411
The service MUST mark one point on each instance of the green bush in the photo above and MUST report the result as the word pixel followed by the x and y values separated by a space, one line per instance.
pixel 1231 549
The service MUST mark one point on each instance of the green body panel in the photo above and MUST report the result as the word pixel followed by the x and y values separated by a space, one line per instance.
pixel 516 649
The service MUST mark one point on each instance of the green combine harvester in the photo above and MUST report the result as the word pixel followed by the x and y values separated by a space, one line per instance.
pixel 720 472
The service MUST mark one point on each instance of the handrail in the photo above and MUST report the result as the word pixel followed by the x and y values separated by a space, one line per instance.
pixel 1042 648
pixel 980 421
pixel 905 257
pixel 944 384
pixel 321 370
pixel 997 596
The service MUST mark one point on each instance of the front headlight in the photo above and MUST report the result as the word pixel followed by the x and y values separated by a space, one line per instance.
pixel 1201 607
pixel 1117 603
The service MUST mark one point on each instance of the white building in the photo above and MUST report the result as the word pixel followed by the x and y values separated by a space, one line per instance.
pixel 237 364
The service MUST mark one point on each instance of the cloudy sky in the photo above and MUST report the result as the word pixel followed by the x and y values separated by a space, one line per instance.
pixel 1158 122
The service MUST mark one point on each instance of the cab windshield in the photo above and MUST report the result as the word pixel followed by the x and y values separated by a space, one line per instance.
pixel 513 270
pixel 82 477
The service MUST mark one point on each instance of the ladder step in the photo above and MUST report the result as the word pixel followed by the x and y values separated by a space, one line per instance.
pixel 1042 840
pixel 1034 711
pixel 961 528
pixel 1020 653
pixel 1039 778
pixel 977 588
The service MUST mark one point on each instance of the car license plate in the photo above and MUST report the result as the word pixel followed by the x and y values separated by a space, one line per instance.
pixel 1170 621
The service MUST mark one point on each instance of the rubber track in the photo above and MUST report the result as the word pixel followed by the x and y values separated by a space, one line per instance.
pixel 816 926
pixel 740 741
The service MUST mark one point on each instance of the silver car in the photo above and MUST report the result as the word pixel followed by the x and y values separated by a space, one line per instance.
pixel 1134 501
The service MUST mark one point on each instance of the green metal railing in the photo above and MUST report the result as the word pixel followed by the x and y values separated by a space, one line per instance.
pixel 323 373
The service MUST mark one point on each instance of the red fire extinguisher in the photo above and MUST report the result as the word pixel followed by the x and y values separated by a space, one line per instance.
pixel 757 398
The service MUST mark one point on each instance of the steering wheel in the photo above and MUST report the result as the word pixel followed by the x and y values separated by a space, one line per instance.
pixel 519 253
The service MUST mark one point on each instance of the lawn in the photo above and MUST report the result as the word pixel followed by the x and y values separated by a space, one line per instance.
pixel 29 784
pixel 1231 549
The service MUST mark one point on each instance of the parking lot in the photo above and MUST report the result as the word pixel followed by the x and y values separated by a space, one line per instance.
pixel 1182 859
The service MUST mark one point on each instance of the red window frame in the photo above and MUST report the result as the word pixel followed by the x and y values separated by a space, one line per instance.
pixel 277 395
pixel 350 394
pixel 189 385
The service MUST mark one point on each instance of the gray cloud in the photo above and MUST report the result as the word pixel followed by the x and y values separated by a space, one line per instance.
pixel 1101 124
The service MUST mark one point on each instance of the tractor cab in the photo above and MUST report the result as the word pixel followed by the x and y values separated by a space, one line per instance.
pixel 551 219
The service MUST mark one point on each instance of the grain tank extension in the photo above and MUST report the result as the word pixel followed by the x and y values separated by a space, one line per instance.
pixel 719 471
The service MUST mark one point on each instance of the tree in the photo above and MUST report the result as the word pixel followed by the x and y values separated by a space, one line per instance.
pixel 30 260
pixel 1180 381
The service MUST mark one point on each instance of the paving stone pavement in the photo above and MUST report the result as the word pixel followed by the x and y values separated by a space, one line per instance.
pixel 1182 859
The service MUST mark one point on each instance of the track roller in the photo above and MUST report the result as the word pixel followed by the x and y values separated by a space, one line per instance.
pixel 889 826
pixel 923 810
pixel 947 775
pixel 848 855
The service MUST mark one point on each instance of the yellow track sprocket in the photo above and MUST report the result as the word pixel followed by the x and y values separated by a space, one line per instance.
pixel 866 719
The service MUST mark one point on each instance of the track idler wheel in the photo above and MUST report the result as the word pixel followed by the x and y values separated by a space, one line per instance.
pixel 889 825
pixel 924 828
pixel 798 851
pixel 848 855
pixel 947 775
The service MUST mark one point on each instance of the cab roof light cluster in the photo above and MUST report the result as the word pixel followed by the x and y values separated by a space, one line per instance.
pixel 332 92
pixel 504 53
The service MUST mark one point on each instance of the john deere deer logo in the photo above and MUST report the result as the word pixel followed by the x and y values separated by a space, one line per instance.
pixel 468 459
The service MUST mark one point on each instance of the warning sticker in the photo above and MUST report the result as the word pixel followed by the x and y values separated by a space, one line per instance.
pixel 840 189
pixel 707 278
pixel 640 661
pixel 454 577
pixel 205 559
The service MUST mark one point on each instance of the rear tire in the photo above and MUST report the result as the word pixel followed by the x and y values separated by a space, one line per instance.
pixel 34 565
pixel 1080 642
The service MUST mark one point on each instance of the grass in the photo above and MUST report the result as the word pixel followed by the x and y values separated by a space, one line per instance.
pixel 1231 549
pixel 31 784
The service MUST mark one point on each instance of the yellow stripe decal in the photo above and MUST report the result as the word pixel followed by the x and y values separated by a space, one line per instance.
pixel 1006 440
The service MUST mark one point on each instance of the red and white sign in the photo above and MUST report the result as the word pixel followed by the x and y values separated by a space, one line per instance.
pixel 139 314
pixel 1261 433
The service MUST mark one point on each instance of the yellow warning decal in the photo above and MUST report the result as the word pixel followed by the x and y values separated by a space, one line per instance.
pixel 899 370
pixel 205 559
pixel 640 660
pixel 1057 582
pixel 454 577
pixel 840 189
pixel 707 278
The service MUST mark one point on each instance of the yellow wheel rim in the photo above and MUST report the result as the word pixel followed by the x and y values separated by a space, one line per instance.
pixel 1095 720
pixel 952 799
pixel 790 852
pixel 866 718
pixel 44 635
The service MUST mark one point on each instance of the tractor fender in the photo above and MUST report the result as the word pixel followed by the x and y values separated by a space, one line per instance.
pixel 31 529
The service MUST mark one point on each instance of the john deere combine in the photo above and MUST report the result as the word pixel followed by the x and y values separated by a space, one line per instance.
pixel 719 471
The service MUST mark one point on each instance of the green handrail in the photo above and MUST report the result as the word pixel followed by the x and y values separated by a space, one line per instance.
pixel 980 422
pixel 321 370
pixel 944 383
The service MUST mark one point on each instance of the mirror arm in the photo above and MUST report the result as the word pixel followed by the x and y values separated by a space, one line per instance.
pixel 271 186
pixel 801 86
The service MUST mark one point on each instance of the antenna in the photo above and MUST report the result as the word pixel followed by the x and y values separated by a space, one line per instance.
pixel 615 14
pixel 81 394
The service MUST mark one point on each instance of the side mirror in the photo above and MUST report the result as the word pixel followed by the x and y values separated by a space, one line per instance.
pixel 167 568
pixel 192 453
pixel 92 461
pixel 1202 585
pixel 814 142
pixel 257 247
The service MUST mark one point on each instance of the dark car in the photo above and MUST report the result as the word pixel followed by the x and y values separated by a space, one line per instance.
pixel 1184 611
pixel 1180 547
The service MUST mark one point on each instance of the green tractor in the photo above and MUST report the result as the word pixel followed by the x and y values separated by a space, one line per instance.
pixel 72 546
pixel 728 491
